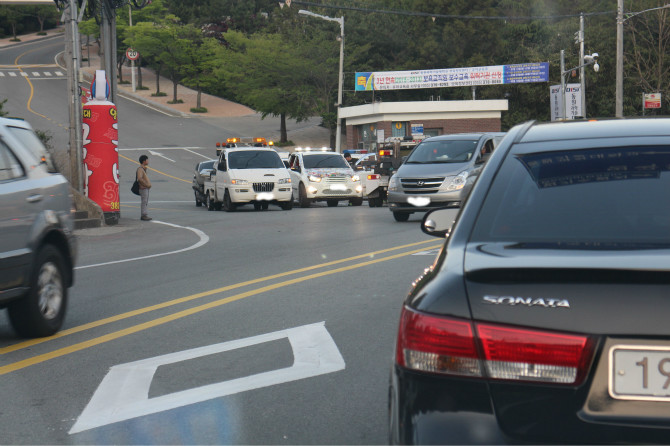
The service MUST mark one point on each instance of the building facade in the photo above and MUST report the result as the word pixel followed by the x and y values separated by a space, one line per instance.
pixel 371 123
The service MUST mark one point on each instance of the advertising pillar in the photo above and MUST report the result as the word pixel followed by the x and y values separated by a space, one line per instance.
pixel 101 153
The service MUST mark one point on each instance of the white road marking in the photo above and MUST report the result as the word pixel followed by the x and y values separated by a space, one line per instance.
pixel 204 238
pixel 161 155
pixel 432 252
pixel 124 392
pixel 36 74
pixel 24 74
pixel 58 73
pixel 2 74
pixel 48 74
pixel 12 74
pixel 172 115
pixel 199 154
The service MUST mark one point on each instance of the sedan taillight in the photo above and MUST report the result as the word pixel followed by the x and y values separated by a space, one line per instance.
pixel 460 347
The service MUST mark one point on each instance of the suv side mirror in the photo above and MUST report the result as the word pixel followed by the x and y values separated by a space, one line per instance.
pixel 438 222
pixel 222 165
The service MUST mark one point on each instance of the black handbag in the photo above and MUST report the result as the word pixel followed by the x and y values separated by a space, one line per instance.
pixel 135 188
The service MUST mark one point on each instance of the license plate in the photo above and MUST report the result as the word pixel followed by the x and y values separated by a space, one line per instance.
pixel 640 373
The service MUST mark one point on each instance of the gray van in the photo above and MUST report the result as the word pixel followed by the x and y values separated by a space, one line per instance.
pixel 437 171
pixel 37 245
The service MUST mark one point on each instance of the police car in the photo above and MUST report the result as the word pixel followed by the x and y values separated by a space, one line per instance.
pixel 323 175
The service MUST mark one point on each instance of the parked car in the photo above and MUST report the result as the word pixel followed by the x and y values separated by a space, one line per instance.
pixel 202 172
pixel 544 318
pixel 37 243
pixel 437 170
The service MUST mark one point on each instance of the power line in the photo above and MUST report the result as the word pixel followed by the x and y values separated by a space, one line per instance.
pixel 447 16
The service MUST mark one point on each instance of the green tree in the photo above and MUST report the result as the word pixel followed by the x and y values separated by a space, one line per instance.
pixel 204 55
pixel 14 18
pixel 44 14
pixel 269 75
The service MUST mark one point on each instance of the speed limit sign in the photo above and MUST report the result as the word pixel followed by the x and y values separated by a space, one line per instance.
pixel 132 54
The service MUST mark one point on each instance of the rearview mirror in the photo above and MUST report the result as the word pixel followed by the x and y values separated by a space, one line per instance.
pixel 222 165
pixel 438 222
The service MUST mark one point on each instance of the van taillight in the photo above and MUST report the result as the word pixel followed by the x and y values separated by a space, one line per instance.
pixel 457 347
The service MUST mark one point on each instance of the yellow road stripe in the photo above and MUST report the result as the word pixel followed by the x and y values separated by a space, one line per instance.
pixel 189 312
pixel 155 170
pixel 181 300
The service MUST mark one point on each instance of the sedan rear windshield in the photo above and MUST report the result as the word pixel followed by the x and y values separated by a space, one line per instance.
pixel 446 151
pixel 251 159
pixel 324 160
pixel 594 199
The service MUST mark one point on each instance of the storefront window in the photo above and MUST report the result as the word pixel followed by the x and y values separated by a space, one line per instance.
pixel 399 129
pixel 367 137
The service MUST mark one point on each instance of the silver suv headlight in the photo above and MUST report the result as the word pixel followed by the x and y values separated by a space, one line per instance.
pixel 458 181
pixel 394 183
pixel 239 182
pixel 284 181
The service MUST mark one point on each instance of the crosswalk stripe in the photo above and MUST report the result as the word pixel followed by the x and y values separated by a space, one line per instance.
pixel 24 74
pixel 48 74
pixel 36 74
pixel 58 73
pixel 2 74
pixel 12 74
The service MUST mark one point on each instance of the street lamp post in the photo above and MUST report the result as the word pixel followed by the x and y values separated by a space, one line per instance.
pixel 340 20
pixel 591 59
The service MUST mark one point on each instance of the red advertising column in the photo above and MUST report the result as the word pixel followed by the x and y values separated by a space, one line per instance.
pixel 101 153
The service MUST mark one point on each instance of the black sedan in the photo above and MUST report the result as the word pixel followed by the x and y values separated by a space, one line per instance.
pixel 546 316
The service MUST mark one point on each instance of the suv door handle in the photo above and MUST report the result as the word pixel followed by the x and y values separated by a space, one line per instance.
pixel 34 198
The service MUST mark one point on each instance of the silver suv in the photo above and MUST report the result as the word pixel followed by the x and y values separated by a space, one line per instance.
pixel 37 245
pixel 437 171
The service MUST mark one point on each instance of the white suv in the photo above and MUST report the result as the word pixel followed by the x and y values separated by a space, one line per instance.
pixel 245 175
pixel 323 175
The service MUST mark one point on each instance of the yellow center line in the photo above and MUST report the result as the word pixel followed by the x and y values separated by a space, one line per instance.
pixel 155 170
pixel 192 297
pixel 188 312
pixel 32 89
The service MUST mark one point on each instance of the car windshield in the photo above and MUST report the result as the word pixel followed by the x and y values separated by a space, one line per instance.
pixel 31 142
pixel 605 198
pixel 323 160
pixel 442 151
pixel 254 159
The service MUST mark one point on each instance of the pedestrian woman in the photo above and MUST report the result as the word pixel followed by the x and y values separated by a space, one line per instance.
pixel 145 185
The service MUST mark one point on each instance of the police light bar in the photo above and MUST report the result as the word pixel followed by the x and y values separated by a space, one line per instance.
pixel 218 144
pixel 259 140
pixel 271 143
pixel 232 140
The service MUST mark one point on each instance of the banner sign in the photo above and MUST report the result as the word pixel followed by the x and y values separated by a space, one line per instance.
pixel 652 100
pixel 453 77
pixel 573 102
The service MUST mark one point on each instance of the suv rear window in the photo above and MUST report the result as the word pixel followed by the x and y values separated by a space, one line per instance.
pixel 591 199
pixel 30 141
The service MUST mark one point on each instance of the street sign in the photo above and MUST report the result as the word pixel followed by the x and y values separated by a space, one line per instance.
pixel 573 102
pixel 132 54
pixel 652 100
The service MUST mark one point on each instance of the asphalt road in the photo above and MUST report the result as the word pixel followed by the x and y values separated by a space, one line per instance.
pixel 199 327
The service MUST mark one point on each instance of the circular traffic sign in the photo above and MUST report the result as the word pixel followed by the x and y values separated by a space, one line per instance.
pixel 132 54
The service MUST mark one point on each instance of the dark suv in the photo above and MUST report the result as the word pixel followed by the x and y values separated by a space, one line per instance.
pixel 37 246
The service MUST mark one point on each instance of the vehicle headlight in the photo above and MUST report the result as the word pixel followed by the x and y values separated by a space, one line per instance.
pixel 458 181
pixel 239 182
pixel 314 179
pixel 394 183
pixel 284 181
pixel 355 178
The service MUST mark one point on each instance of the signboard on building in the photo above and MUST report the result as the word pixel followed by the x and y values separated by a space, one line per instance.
pixel 453 77
pixel 417 129
pixel 573 102
pixel 652 100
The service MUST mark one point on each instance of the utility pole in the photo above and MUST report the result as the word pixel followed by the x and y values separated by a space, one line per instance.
pixel 72 59
pixel 618 112
pixel 582 81
pixel 108 37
